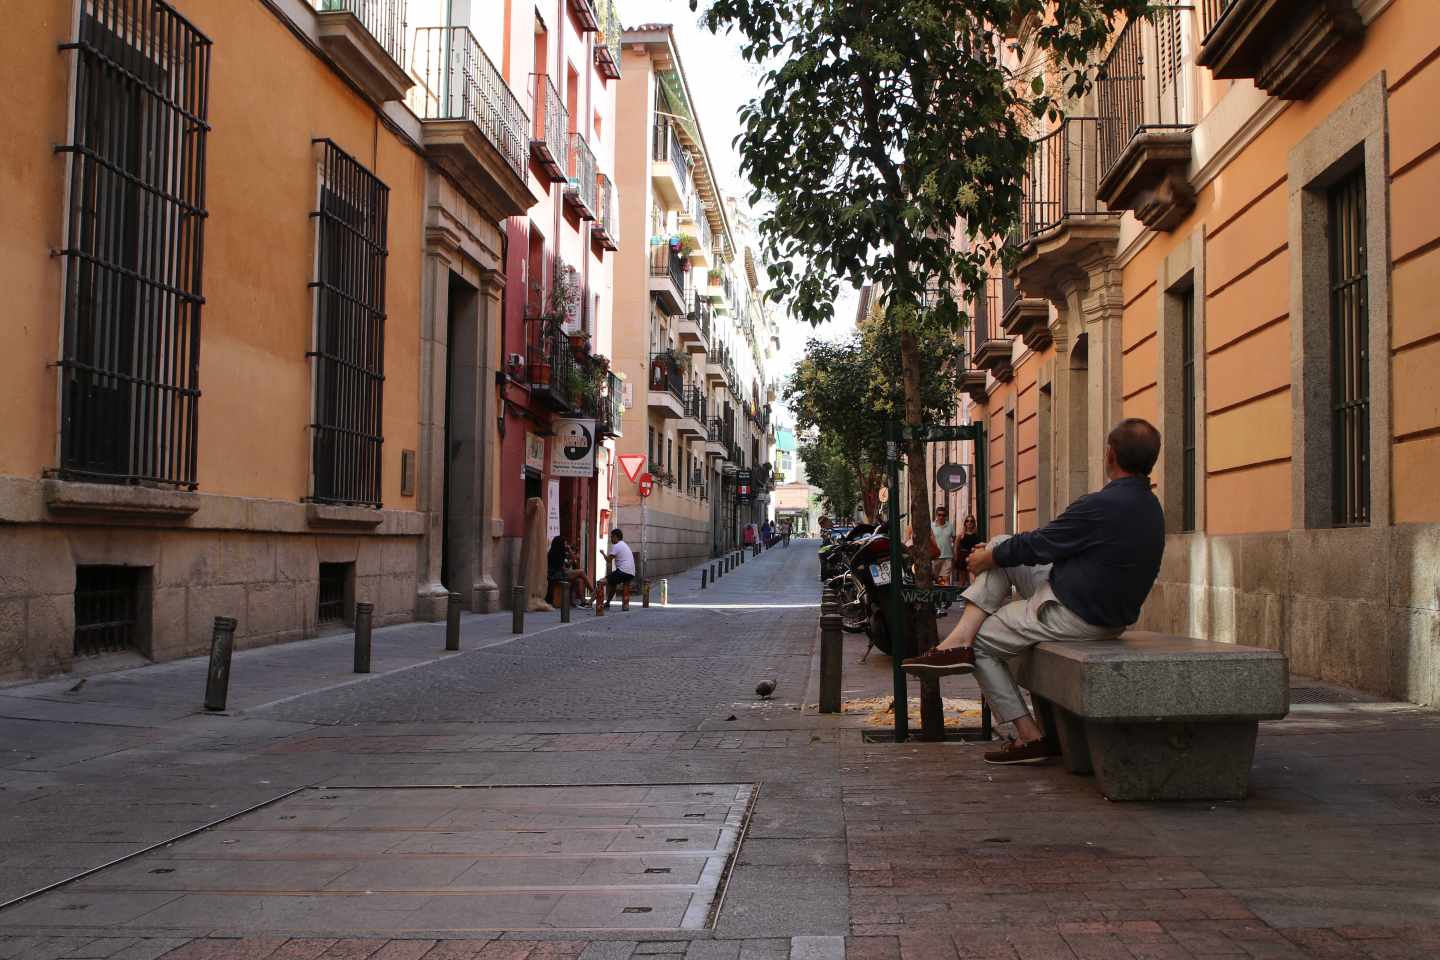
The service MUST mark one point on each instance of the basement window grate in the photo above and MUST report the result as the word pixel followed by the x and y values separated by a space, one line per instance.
pixel 107 601
pixel 333 578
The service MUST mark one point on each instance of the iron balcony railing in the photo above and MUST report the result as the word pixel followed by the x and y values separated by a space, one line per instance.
pixel 607 44
pixel 551 366
pixel 547 134
pixel 1061 177
pixel 458 82
pixel 383 19
pixel 581 164
pixel 665 262
pixel 1140 86
pixel 669 149
pixel 993 304
pixel 609 408
pixel 695 404
pixel 700 315
pixel 665 374
pixel 1211 13
pixel 607 214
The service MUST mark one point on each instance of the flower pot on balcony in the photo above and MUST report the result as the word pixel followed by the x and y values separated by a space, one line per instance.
pixel 579 342
pixel 540 373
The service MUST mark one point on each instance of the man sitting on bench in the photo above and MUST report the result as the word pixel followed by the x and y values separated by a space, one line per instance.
pixel 622 561
pixel 1083 576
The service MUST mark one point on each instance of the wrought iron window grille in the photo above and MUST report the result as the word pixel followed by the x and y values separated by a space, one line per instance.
pixel 348 355
pixel 1350 352
pixel 134 248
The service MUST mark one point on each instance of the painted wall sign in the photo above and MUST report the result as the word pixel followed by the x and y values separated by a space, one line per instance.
pixel 573 448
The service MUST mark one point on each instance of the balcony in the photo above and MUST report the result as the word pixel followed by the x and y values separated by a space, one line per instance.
pixel 609 413
pixel 606 228
pixel 973 383
pixel 693 327
pixel 547 135
pixel 1144 120
pixel 1025 317
pixel 667 278
pixel 670 171
pixel 1288 47
pixel 992 348
pixel 472 125
pixel 1062 222
pixel 587 18
pixel 692 422
pixel 607 44
pixel 366 39
pixel 551 367
pixel 667 385
pixel 718 434
pixel 695 222
pixel 715 364
pixel 719 290
pixel 580 191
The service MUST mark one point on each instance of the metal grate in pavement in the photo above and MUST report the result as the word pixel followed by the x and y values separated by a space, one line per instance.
pixel 396 861
pixel 1328 695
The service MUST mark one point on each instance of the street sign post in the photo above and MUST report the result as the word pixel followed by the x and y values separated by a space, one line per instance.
pixel 647 484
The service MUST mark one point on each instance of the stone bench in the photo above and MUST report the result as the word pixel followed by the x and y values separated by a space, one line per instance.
pixel 1157 717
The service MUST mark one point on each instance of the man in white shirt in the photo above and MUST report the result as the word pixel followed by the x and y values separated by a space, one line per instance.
pixel 944 533
pixel 622 564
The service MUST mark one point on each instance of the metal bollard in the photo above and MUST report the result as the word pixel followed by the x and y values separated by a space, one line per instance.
pixel 645 595
pixel 519 600
pixel 599 597
pixel 713 575
pixel 664 592
pixel 932 709
pixel 222 646
pixel 452 623
pixel 703 572
pixel 564 603
pixel 832 656
pixel 363 614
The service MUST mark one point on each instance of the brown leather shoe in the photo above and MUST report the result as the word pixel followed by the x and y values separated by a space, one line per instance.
pixel 1015 752
pixel 954 660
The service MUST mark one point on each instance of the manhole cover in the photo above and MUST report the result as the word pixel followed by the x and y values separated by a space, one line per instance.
pixel 384 861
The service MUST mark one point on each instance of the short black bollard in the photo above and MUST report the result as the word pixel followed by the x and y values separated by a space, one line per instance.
pixel 932 709
pixel 832 655
pixel 713 576
pixel 564 603
pixel 222 646
pixel 452 623
pixel 519 600
pixel 703 572
pixel 363 614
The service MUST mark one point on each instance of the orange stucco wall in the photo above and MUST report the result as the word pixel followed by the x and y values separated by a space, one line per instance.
pixel 261 177
pixel 1244 214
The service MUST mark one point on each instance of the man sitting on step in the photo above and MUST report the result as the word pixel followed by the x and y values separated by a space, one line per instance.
pixel 1083 576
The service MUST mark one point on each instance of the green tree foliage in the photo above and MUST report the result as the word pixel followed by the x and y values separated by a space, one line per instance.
pixel 828 467
pixel 880 126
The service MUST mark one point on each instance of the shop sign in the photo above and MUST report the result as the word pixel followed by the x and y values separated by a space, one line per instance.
pixel 574 448
pixel 534 451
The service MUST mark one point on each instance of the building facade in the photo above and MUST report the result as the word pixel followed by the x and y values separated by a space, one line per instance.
pixel 262 349
pixel 1229 237
pixel 685 335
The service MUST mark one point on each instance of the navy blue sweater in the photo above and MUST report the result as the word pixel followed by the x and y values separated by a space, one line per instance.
pixel 1106 549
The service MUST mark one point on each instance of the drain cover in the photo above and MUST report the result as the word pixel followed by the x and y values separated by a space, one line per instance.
pixel 1328 695
pixel 384 861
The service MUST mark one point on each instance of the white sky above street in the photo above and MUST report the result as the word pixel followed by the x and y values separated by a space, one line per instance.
pixel 720 83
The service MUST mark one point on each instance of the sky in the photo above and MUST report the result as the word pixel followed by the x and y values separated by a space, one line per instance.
pixel 720 83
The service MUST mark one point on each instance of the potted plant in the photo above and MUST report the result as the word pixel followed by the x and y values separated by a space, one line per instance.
pixel 688 244
pixel 579 341
pixel 540 371
pixel 716 276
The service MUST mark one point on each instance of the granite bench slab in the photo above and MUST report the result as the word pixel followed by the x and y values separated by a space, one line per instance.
pixel 1154 716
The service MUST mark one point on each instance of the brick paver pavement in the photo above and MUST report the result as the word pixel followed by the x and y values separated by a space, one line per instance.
pixel 908 852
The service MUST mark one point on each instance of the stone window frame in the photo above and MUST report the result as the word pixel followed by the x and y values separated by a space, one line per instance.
pixel 1180 275
pixel 1044 445
pixel 1011 446
pixel 1354 135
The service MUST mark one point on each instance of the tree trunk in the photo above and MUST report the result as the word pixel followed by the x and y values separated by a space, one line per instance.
pixel 917 460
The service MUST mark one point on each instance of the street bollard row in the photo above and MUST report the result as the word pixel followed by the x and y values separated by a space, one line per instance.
pixel 832 649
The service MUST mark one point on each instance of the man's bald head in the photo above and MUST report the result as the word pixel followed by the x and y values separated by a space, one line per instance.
pixel 1135 444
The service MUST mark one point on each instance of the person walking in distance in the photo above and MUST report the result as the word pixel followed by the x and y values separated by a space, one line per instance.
pixel 969 540
pixel 1083 576
pixel 622 565
pixel 944 533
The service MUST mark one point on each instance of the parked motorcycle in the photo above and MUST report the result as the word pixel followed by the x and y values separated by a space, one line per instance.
pixel 863 589
pixel 835 555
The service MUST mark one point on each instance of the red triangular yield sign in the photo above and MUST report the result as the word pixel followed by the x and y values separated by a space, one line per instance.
pixel 631 464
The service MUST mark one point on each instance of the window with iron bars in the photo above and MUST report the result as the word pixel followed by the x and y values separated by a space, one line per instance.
pixel 130 360
pixel 348 356
pixel 1350 352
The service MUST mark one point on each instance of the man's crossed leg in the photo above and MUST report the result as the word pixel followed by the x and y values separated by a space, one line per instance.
pixel 993 630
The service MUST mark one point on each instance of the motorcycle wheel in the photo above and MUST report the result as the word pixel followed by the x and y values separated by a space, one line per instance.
pixel 854 605
pixel 879 632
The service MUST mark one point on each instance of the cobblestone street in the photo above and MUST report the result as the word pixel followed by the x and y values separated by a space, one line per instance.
pixel 629 794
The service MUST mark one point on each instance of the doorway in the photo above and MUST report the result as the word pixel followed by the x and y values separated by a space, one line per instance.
pixel 464 454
